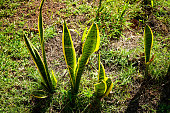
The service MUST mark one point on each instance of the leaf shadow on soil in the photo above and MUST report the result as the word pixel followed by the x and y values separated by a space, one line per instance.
pixel 163 105
pixel 134 102
pixel 40 105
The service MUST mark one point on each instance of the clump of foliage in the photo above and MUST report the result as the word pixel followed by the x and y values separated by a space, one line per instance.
pixel 104 85
pixel 91 44
pixel 48 82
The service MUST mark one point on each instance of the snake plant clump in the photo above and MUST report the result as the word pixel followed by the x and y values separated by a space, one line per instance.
pixel 48 82
pixel 90 45
pixel 104 85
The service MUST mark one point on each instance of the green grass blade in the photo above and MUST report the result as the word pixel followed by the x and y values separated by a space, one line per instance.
pixel 69 53
pixel 37 60
pixel 148 42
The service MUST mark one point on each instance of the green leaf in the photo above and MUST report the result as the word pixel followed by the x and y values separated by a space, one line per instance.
pixel 41 64
pixel 40 23
pixel 90 45
pixel 148 42
pixel 54 79
pixel 40 28
pixel 152 3
pixel 102 77
pixel 37 60
pixel 101 73
pixel 84 35
pixel 100 88
pixel 69 53
pixel 92 41
pixel 40 94
pixel 109 86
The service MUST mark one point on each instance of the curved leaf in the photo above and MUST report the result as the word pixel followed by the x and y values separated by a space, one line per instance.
pixel 100 88
pixel 148 42
pixel 92 41
pixel 40 94
pixel 109 86
pixel 40 29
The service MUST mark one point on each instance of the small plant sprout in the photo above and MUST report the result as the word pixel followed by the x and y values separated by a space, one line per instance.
pixel 148 43
pixel 90 45
pixel 104 85
pixel 48 82
pixel 101 90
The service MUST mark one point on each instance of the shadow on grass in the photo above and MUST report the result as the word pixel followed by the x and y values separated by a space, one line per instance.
pixel 81 105
pixel 164 103
pixel 134 102
pixel 40 105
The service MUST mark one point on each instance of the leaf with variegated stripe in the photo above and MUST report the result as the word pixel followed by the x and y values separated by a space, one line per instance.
pixel 148 42
pixel 100 89
pixel 69 53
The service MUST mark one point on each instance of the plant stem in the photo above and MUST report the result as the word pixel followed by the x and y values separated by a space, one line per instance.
pixel 146 71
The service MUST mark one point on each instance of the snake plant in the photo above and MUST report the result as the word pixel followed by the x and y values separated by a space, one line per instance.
pixel 90 45
pixel 48 82
pixel 104 85
pixel 148 43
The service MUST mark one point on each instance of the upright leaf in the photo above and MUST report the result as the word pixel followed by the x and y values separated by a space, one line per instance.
pixel 40 28
pixel 84 35
pixel 38 61
pixel 101 80
pixel 148 42
pixel 40 23
pixel 101 74
pixel 90 45
pixel 69 53
pixel 92 41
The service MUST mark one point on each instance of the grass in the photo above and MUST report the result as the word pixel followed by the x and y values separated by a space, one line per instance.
pixel 121 57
